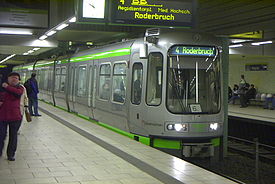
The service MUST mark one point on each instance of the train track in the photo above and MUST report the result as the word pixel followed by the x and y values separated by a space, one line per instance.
pixel 251 149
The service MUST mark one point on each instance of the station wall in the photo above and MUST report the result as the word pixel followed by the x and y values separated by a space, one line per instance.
pixel 263 80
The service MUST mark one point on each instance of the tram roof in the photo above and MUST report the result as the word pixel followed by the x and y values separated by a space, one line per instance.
pixel 222 18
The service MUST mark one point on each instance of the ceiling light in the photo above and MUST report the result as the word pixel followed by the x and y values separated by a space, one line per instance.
pixel 51 33
pixel 30 51
pixel 7 58
pixel 72 19
pixel 261 43
pixel 235 46
pixel 36 49
pixel 43 37
pixel 15 32
pixel 239 40
pixel 25 53
pixel 62 26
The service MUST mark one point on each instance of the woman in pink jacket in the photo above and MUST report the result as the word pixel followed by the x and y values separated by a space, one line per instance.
pixel 10 114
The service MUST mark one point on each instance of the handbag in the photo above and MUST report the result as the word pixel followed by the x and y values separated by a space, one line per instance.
pixel 28 115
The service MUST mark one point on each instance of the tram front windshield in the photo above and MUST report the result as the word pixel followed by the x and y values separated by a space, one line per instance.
pixel 193 84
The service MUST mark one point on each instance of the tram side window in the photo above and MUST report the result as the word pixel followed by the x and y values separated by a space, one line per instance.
pixel 104 81
pixel 57 79
pixel 63 79
pixel 41 79
pixel 72 71
pixel 49 79
pixel 46 78
pixel 119 81
pixel 137 78
pixel 23 77
pixel 154 79
pixel 81 82
pixel 38 73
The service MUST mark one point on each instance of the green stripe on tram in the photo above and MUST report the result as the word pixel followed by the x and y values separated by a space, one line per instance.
pixel 142 139
pixel 157 143
pixel 216 142
pixel 164 143
pixel 100 55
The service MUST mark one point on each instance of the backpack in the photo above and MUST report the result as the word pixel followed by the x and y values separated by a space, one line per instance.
pixel 28 87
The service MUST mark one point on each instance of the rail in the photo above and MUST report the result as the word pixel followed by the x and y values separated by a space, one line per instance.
pixel 259 151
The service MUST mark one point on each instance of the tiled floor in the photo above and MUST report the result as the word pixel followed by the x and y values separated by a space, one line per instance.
pixel 252 112
pixel 49 152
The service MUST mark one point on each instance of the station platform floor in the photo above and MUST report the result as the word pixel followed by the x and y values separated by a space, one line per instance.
pixel 72 150
pixel 252 112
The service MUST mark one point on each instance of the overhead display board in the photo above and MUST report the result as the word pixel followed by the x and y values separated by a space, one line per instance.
pixel 153 12
pixel 24 13
pixel 183 50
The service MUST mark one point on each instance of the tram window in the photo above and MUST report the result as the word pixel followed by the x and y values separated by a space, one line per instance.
pixel 137 83
pixel 23 77
pixel 41 79
pixel 154 79
pixel 81 82
pixel 104 81
pixel 62 79
pixel 119 81
pixel 46 78
pixel 38 76
pixel 57 79
pixel 50 79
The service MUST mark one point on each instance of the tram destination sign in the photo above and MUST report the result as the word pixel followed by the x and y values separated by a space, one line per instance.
pixel 154 12
pixel 193 51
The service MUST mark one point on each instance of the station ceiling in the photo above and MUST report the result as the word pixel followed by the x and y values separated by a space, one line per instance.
pixel 223 18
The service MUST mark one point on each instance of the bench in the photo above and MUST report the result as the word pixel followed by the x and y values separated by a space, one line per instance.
pixel 259 100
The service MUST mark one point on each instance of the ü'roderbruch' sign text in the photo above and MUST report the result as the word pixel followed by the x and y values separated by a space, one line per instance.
pixel 153 12
pixel 193 51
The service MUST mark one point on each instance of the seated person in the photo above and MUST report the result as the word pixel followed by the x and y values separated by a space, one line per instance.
pixel 251 93
pixel 118 96
pixel 137 91
pixel 230 92
pixel 270 98
pixel 235 94
pixel 105 92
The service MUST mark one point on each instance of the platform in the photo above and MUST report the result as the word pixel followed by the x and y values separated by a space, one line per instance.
pixel 75 151
pixel 252 112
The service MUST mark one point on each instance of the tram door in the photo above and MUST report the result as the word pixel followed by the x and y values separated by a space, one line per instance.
pixel 137 94
pixel 71 74
pixel 92 89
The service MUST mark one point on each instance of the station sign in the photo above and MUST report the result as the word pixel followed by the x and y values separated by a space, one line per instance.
pixel 18 13
pixel 153 12
pixel 256 67
pixel 193 51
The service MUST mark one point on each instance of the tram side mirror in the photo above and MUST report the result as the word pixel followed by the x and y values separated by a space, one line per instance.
pixel 143 51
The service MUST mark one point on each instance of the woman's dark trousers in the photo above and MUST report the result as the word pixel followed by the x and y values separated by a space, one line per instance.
pixel 13 129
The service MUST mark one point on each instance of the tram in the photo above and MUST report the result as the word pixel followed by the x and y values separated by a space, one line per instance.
pixel 165 88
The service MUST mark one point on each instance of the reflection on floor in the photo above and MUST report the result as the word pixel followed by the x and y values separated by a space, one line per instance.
pixel 252 112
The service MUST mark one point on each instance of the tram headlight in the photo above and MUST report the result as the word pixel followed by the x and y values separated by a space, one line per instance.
pixel 170 127
pixel 213 126
pixel 179 127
